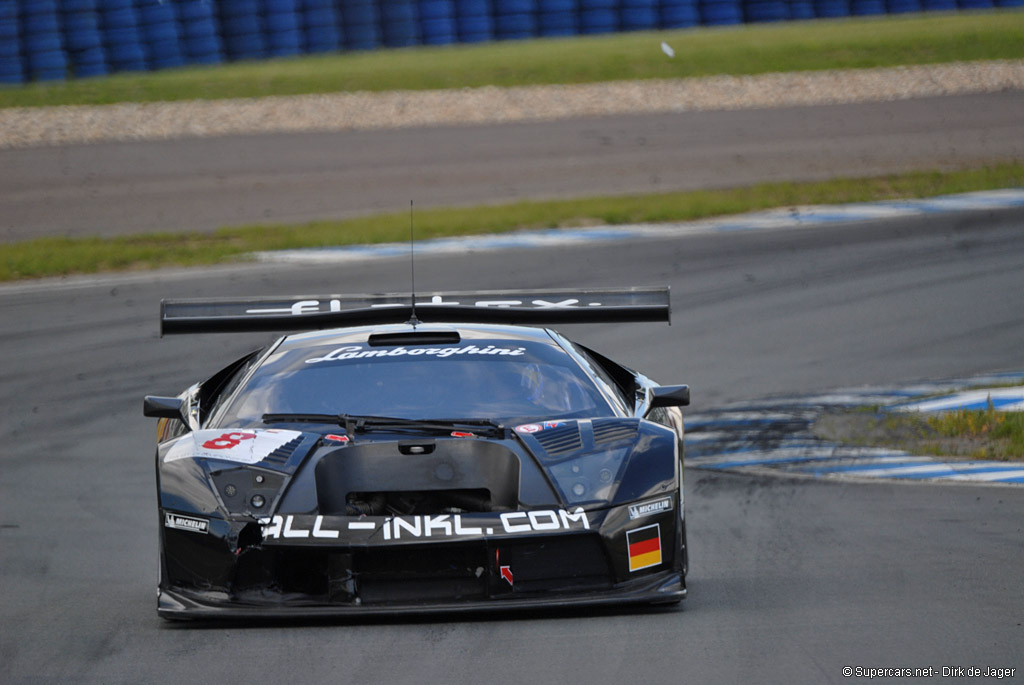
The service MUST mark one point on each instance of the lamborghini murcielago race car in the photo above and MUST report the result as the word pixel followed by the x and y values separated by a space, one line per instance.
pixel 419 454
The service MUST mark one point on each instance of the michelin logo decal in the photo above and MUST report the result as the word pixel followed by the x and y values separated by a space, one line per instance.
pixel 648 508
pixel 179 522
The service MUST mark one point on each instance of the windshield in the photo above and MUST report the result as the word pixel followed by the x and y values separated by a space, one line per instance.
pixel 509 381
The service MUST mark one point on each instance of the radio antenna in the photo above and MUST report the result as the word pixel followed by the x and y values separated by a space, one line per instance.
pixel 412 268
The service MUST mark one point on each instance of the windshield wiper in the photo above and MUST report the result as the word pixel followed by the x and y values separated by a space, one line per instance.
pixel 355 423
pixel 333 419
pixel 365 424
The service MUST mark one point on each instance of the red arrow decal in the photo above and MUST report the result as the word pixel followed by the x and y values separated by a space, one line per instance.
pixel 506 573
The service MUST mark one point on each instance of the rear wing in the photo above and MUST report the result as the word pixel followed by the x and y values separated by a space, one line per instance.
pixel 337 311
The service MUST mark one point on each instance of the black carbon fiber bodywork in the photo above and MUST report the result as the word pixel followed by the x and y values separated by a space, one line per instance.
pixel 378 518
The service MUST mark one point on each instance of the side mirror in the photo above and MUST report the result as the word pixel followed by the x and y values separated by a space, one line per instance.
pixel 164 408
pixel 670 396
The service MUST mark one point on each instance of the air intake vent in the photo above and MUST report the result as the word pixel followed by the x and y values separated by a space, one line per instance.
pixel 615 431
pixel 415 338
pixel 282 454
pixel 560 440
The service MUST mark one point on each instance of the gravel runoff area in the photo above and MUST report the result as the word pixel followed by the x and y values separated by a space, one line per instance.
pixel 29 126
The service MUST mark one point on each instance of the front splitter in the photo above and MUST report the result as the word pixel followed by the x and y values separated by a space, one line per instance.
pixel 658 589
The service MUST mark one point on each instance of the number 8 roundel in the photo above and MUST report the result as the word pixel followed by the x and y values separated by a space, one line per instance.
pixel 228 441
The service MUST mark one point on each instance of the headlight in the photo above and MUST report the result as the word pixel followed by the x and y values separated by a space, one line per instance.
pixel 246 490
pixel 591 477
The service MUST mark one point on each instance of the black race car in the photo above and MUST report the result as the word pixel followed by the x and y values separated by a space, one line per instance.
pixel 411 455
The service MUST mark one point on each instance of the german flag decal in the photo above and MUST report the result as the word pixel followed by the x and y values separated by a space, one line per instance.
pixel 644 547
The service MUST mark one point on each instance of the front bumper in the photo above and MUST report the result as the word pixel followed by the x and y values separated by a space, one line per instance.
pixel 486 563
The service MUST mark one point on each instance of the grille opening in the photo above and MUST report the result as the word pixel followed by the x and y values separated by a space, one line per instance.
pixel 422 502
pixel 458 476
pixel 420 573
pixel 266 573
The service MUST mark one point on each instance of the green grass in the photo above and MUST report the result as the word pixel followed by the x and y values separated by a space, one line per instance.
pixel 964 434
pixel 65 256
pixel 998 435
pixel 750 49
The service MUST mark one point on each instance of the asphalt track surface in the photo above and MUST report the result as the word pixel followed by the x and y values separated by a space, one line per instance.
pixel 202 184
pixel 791 580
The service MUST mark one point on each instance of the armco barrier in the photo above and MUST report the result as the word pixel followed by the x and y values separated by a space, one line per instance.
pixel 200 32
pixel 399 23
pixel 677 14
pixel 242 28
pixel 902 6
pixel 599 16
pixel 828 9
pixel 720 12
pixel 765 10
pixel 119 26
pixel 515 19
pixel 57 39
pixel 558 18
pixel 867 7
pixel 638 15
pixel 12 70
pixel 160 34
pixel 437 22
pixel 320 27
pixel 474 21
pixel 281 23
pixel 80 26
pixel 45 58
pixel 361 23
